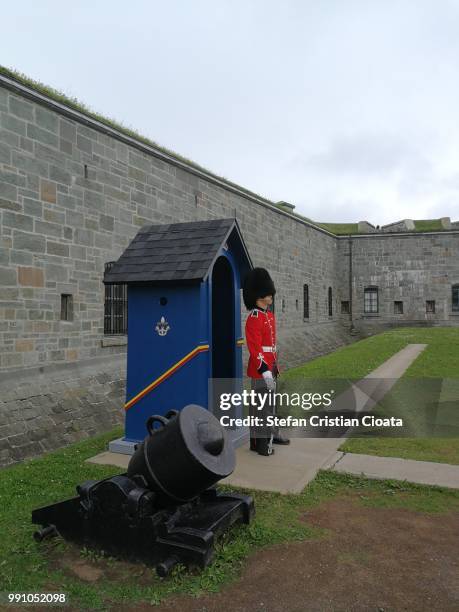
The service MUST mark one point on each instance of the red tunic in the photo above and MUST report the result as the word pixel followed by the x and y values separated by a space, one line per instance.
pixel 260 335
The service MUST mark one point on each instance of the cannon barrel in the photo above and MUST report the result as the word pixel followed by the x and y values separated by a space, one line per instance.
pixel 188 452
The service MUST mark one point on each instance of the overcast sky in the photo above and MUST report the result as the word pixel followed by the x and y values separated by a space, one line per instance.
pixel 349 109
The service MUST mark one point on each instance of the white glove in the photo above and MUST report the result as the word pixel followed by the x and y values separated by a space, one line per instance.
pixel 269 380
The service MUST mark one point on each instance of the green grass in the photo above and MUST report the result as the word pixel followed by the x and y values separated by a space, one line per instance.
pixel 340 229
pixel 343 229
pixel 440 359
pixel 427 225
pixel 26 566
pixel 440 450
pixel 353 361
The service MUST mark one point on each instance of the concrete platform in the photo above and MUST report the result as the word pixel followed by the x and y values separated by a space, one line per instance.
pixel 120 460
pixel 393 468
pixel 292 467
pixel 287 471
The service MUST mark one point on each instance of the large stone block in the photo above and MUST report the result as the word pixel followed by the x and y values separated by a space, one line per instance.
pixel 8 277
pixel 57 248
pixel 21 108
pixel 13 177
pixel 48 191
pixel 66 201
pixel 67 130
pixel 31 277
pixel 23 345
pixel 84 144
pixel 36 133
pixel 7 205
pixel 32 207
pixel 18 221
pixel 5 154
pixel 29 242
pixel 8 191
pixel 57 272
pixel 106 222
pixel 29 164
pixel 46 119
pixel 49 229
pixel 13 124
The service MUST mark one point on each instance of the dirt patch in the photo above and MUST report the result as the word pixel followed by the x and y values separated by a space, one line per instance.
pixel 373 559
pixel 100 567
pixel 83 570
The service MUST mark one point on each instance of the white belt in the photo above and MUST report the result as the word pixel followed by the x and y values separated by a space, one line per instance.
pixel 268 349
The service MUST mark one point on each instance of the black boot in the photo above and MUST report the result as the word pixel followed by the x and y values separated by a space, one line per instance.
pixel 266 452
pixel 265 447
pixel 281 440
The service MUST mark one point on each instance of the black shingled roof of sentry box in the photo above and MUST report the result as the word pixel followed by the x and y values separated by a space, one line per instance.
pixel 176 252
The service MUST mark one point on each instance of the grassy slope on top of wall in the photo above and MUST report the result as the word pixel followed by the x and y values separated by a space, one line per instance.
pixel 427 225
pixel 440 359
pixel 344 229
pixel 76 104
pixel 335 228
pixel 340 229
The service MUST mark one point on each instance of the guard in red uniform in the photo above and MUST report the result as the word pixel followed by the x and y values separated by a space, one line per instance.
pixel 260 333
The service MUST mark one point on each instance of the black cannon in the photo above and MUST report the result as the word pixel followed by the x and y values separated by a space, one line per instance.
pixel 165 510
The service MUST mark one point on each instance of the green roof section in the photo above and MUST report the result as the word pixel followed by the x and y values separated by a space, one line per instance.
pixel 341 229
pixel 427 225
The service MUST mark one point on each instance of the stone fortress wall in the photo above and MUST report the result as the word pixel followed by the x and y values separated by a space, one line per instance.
pixel 74 192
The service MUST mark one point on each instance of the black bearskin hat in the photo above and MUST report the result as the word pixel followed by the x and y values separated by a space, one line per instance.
pixel 257 284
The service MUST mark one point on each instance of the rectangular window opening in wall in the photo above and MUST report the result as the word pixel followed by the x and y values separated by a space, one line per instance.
pixel 115 307
pixel 370 300
pixel 330 302
pixel 430 306
pixel 398 307
pixel 66 307
pixel 296 304
pixel 305 301
pixel 455 298
pixel 283 305
pixel 345 307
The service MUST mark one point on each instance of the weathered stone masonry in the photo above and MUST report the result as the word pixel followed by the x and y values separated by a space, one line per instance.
pixel 408 268
pixel 73 193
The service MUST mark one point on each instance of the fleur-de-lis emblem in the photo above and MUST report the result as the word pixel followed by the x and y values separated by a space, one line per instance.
pixel 162 327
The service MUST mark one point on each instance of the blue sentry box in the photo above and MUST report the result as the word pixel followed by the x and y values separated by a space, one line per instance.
pixel 184 325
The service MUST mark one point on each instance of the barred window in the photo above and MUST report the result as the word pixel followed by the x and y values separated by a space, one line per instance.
pixel 371 302
pixel 398 307
pixel 116 306
pixel 455 298
pixel 345 308
pixel 430 306
pixel 305 301
pixel 330 302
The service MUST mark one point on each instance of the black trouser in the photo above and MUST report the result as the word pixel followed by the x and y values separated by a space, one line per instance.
pixel 261 437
